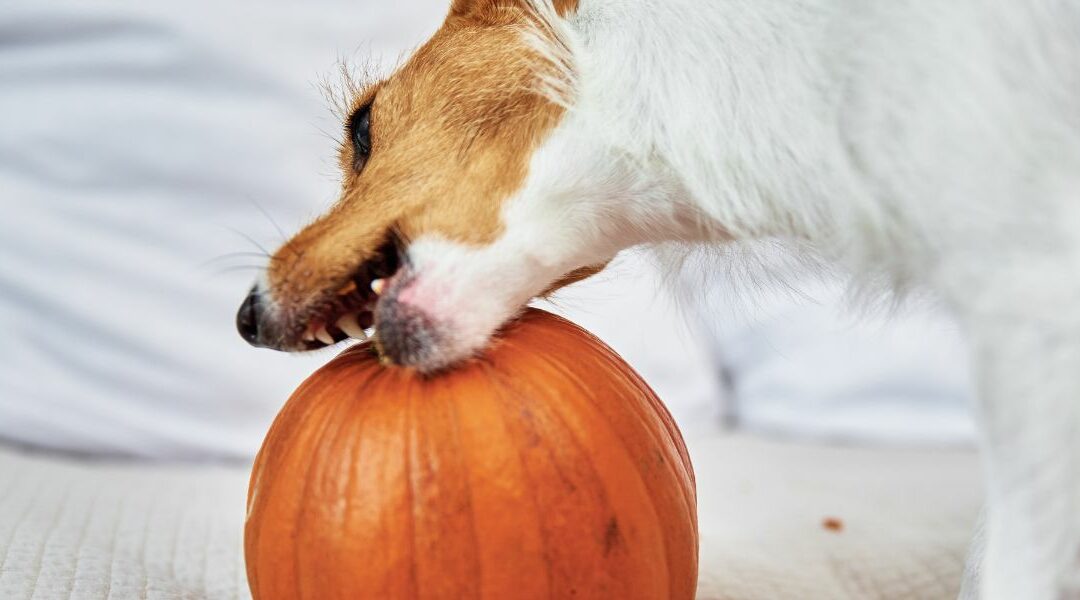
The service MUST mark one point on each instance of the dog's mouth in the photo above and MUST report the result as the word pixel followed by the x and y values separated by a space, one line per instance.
pixel 349 312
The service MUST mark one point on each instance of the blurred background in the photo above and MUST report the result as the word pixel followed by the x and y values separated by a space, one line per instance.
pixel 150 153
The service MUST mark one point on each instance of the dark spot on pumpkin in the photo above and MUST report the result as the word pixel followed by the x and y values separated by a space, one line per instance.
pixel 612 537
pixel 533 438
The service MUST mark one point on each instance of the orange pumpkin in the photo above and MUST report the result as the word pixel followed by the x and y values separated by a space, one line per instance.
pixel 544 469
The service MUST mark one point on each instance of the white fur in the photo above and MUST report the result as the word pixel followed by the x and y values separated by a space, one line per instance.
pixel 928 144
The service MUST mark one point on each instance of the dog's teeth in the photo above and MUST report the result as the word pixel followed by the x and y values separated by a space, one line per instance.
pixel 351 326
pixel 324 336
pixel 349 288
pixel 309 335
pixel 377 286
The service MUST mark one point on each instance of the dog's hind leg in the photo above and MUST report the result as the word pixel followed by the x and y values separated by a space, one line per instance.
pixel 1025 333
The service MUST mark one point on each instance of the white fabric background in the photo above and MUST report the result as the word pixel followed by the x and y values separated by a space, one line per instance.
pixel 139 138
pixel 802 361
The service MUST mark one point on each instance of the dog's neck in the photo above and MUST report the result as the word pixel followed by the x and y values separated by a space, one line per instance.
pixel 738 100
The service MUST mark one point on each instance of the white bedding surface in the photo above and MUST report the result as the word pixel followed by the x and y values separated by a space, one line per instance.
pixel 907 516
pixel 123 531
pixel 97 530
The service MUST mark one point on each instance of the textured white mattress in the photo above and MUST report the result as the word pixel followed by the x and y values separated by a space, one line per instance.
pixel 99 530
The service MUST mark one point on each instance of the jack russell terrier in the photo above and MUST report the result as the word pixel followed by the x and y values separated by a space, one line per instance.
pixel 918 144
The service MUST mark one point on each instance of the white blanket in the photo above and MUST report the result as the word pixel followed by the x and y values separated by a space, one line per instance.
pixel 121 531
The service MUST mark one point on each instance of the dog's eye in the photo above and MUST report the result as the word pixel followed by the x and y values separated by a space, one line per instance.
pixel 360 133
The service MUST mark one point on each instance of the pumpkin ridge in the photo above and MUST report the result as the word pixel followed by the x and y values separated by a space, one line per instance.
pixel 386 416
pixel 672 429
pixel 444 399
pixel 290 423
pixel 545 522
pixel 650 405
pixel 580 448
pixel 358 408
pixel 331 417
pixel 588 397
pixel 281 429
pixel 407 432
pixel 503 405
pixel 657 435
pixel 477 566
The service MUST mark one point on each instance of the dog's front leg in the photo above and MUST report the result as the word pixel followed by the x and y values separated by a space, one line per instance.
pixel 972 579
pixel 1026 339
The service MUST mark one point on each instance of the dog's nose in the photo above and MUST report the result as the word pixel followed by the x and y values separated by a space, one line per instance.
pixel 247 318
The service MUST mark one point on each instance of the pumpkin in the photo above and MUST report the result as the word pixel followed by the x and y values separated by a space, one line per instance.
pixel 545 468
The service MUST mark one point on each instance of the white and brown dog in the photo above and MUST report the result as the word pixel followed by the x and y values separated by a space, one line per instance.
pixel 924 144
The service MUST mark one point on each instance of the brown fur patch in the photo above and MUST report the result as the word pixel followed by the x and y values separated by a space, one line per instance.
pixel 573 277
pixel 473 7
pixel 451 135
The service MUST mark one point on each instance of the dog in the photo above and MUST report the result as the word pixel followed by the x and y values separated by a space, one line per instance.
pixel 917 144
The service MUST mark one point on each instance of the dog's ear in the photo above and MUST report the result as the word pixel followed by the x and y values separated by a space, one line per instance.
pixel 464 8
pixel 494 11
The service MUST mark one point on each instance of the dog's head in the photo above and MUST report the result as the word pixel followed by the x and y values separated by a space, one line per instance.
pixel 463 197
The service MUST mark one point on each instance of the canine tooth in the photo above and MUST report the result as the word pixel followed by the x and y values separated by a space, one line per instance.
pixel 348 289
pixel 308 336
pixel 324 336
pixel 351 326
pixel 377 286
